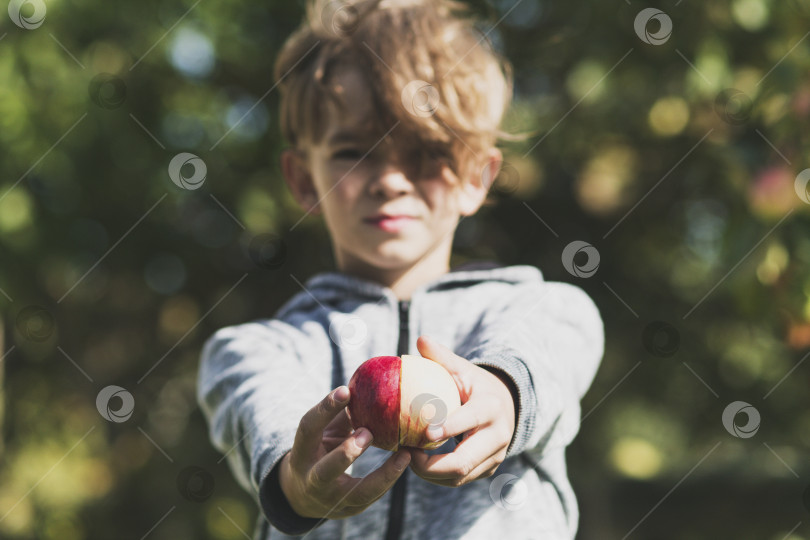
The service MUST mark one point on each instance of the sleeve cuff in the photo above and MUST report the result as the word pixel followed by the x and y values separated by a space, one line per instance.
pixel 277 508
pixel 525 399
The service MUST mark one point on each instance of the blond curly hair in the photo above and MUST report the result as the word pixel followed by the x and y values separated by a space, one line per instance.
pixel 427 66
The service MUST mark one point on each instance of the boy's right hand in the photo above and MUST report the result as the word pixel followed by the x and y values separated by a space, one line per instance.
pixel 312 474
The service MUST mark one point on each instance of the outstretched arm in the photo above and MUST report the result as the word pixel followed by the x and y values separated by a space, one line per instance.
pixel 547 341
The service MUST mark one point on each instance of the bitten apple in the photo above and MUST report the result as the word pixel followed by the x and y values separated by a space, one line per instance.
pixel 398 398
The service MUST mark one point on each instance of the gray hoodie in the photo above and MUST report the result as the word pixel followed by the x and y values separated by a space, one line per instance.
pixel 257 380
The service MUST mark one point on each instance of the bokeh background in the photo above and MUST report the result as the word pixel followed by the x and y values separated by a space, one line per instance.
pixel 672 152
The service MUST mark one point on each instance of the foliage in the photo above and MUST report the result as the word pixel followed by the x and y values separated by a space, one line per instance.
pixel 676 161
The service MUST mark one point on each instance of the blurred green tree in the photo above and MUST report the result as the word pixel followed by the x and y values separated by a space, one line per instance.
pixel 674 154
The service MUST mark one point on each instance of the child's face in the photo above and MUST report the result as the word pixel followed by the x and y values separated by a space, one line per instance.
pixel 349 189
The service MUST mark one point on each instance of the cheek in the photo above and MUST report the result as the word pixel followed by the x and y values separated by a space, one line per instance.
pixel 339 185
pixel 344 199
pixel 441 199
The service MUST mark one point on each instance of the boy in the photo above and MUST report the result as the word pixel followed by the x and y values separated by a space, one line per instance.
pixel 392 110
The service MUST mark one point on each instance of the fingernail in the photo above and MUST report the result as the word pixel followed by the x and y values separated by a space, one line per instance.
pixel 341 394
pixel 363 437
pixel 434 433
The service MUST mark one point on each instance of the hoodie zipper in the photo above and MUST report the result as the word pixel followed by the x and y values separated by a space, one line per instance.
pixel 396 512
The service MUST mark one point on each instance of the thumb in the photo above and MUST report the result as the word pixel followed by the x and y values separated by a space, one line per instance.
pixel 433 350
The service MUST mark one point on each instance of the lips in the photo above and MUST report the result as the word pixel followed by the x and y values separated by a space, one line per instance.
pixel 391 223
pixel 380 217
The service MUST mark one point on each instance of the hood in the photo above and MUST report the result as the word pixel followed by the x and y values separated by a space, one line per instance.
pixel 325 287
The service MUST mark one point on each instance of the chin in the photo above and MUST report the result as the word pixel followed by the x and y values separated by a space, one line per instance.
pixel 394 257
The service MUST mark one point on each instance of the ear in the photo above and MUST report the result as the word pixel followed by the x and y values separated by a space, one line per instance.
pixel 298 176
pixel 474 191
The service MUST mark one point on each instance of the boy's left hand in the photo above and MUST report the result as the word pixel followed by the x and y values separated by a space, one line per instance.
pixel 487 412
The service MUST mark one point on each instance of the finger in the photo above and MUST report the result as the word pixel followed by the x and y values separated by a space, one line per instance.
pixel 335 463
pixel 345 512
pixel 433 350
pixel 336 432
pixel 472 415
pixel 467 456
pixel 485 470
pixel 340 425
pixel 366 490
pixel 310 428
pixel 460 368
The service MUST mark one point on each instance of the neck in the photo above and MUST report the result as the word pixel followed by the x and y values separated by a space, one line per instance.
pixel 403 280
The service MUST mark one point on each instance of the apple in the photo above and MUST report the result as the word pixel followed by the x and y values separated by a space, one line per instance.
pixel 398 398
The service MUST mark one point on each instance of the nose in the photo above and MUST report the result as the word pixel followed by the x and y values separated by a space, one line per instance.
pixel 390 181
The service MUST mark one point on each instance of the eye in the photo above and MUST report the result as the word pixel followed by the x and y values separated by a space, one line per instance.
pixel 348 153
pixel 438 154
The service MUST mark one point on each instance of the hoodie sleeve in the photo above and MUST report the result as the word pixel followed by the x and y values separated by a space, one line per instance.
pixel 548 338
pixel 253 387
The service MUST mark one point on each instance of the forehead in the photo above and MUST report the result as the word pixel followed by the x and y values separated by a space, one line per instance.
pixel 354 119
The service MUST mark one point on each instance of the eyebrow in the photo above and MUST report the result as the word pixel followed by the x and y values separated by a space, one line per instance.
pixel 348 135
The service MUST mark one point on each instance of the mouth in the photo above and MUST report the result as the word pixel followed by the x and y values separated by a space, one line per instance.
pixel 389 223
pixel 381 217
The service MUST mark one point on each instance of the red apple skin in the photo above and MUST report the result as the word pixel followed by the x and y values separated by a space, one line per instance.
pixel 374 400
